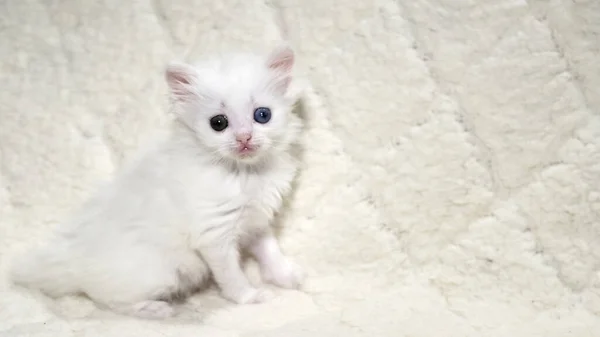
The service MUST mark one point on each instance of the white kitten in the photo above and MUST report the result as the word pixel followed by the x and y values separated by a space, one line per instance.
pixel 183 210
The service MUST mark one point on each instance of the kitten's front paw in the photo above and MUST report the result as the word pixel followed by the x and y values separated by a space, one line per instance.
pixel 250 296
pixel 287 275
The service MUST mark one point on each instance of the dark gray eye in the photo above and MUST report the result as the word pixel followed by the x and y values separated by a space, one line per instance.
pixel 219 122
pixel 262 115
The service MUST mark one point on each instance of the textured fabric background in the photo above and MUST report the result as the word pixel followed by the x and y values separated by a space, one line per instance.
pixel 452 167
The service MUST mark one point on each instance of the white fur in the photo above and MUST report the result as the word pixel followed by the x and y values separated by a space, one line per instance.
pixel 185 207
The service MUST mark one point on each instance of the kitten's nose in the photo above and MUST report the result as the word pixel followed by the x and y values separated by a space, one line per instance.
pixel 243 137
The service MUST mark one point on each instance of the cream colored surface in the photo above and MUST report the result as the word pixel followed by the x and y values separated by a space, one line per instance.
pixel 452 166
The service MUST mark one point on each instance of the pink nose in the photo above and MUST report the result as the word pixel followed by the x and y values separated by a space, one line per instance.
pixel 243 137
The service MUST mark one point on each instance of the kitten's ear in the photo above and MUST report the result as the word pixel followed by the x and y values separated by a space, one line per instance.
pixel 181 78
pixel 281 61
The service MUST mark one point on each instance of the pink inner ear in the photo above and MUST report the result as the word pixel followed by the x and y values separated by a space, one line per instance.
pixel 282 60
pixel 178 74
pixel 179 78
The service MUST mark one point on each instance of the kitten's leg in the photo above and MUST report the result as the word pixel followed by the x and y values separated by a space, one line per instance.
pixel 223 259
pixel 275 267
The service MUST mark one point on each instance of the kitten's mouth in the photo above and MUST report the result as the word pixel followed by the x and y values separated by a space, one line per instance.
pixel 246 150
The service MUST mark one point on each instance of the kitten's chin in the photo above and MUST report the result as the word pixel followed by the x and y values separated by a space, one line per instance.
pixel 248 156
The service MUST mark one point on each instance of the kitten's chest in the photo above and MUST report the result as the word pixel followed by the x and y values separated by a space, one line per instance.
pixel 264 193
pixel 242 198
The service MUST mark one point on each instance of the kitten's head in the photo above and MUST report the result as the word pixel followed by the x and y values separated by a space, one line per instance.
pixel 237 105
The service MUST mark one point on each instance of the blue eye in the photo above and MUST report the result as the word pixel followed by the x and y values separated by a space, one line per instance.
pixel 262 115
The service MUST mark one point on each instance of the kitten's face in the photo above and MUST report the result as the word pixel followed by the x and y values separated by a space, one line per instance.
pixel 237 106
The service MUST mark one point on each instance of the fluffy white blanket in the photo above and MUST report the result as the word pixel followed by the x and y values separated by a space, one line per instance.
pixel 452 167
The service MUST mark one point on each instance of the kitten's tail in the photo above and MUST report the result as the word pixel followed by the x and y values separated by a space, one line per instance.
pixel 47 270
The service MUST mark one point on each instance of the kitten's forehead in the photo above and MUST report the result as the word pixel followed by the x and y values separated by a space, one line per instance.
pixel 233 77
